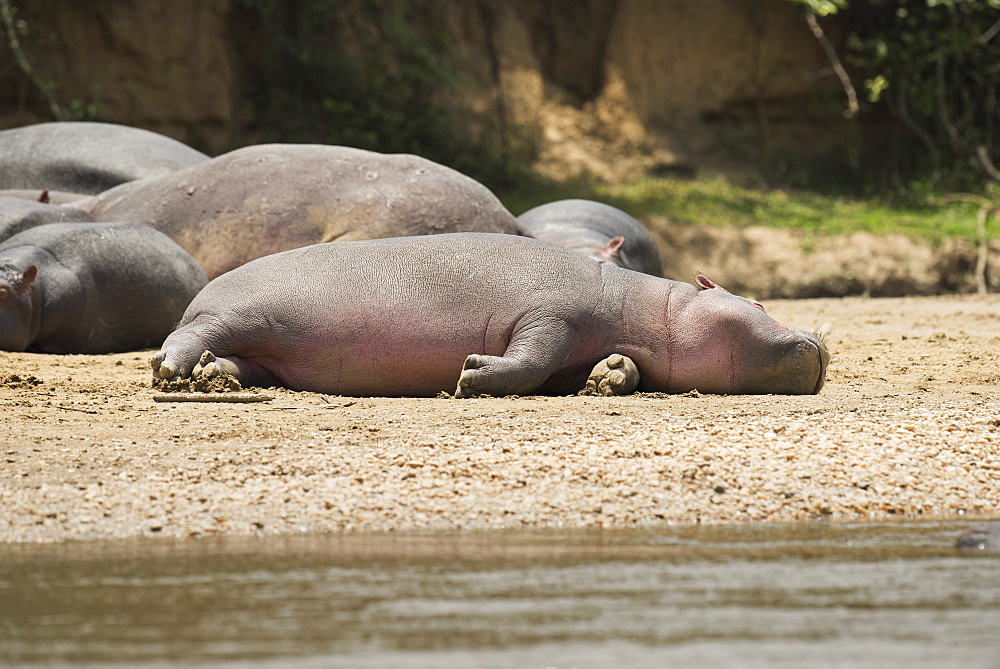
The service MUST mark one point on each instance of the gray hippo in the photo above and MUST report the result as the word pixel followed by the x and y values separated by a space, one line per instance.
pixel 983 538
pixel 274 197
pixel 84 157
pixel 92 288
pixel 499 314
pixel 597 230
pixel 18 214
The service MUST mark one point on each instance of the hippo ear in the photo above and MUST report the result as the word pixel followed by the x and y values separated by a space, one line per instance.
pixel 704 282
pixel 27 277
pixel 609 252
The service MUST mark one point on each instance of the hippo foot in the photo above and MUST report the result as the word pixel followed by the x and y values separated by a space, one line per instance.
pixel 615 375
pixel 465 380
pixel 206 377
pixel 161 370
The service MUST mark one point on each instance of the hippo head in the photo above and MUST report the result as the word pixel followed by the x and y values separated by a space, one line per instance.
pixel 727 344
pixel 15 307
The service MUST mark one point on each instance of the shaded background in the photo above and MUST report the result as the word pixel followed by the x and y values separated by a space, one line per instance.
pixel 543 100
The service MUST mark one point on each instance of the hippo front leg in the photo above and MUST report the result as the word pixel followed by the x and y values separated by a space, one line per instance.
pixel 615 375
pixel 534 353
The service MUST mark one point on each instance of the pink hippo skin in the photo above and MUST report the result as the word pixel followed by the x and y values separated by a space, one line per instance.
pixel 597 230
pixel 274 197
pixel 498 314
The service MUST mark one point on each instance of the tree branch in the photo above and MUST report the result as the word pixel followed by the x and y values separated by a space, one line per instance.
pixel 838 68
pixel 7 16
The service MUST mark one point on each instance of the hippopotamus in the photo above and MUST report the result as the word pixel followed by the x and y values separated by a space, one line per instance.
pixel 18 214
pixel 85 157
pixel 983 538
pixel 498 314
pixel 268 198
pixel 597 230
pixel 92 288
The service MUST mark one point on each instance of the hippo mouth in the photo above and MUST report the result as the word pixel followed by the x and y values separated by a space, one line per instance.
pixel 817 340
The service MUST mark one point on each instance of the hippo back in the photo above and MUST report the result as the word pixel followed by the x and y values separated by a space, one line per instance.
pixel 580 224
pixel 85 157
pixel 269 198
pixel 18 214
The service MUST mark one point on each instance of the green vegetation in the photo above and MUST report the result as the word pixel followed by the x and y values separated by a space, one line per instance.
pixel 712 200
pixel 931 66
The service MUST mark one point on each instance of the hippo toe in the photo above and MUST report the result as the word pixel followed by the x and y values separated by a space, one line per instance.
pixel 615 375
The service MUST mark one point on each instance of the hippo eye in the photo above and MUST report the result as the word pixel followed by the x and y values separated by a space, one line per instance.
pixel 757 305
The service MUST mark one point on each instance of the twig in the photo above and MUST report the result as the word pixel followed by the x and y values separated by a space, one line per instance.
pixel 990 33
pixel 212 397
pixel 984 158
pixel 838 68
pixel 7 16
pixel 59 406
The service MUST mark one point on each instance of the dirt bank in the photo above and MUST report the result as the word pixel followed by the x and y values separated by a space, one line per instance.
pixel 908 425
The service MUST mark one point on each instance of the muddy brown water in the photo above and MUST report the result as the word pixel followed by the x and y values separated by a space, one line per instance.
pixel 816 594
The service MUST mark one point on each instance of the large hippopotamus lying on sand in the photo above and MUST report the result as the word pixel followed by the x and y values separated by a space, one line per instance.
pixel 84 157
pixel 269 198
pixel 498 314
pixel 597 230
pixel 92 288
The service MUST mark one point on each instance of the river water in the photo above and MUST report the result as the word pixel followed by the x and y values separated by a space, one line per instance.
pixel 873 594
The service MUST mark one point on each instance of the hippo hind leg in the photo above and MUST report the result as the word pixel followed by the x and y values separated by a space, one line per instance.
pixel 214 373
pixel 534 353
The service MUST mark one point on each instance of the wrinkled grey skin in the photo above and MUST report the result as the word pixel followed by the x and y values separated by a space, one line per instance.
pixel 597 230
pixel 983 538
pixel 274 197
pixel 17 215
pixel 84 157
pixel 92 288
pixel 403 317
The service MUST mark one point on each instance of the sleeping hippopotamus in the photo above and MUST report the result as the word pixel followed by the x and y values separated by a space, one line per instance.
pixel 92 288
pixel 499 314
pixel 85 157
pixel 269 198
pixel 597 230
pixel 18 214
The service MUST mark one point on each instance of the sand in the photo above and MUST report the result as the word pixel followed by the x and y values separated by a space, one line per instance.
pixel 908 426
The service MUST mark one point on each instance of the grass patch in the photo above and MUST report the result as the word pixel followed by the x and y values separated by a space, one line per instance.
pixel 712 200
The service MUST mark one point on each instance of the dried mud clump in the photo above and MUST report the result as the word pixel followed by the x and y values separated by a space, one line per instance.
pixel 16 381
pixel 222 383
